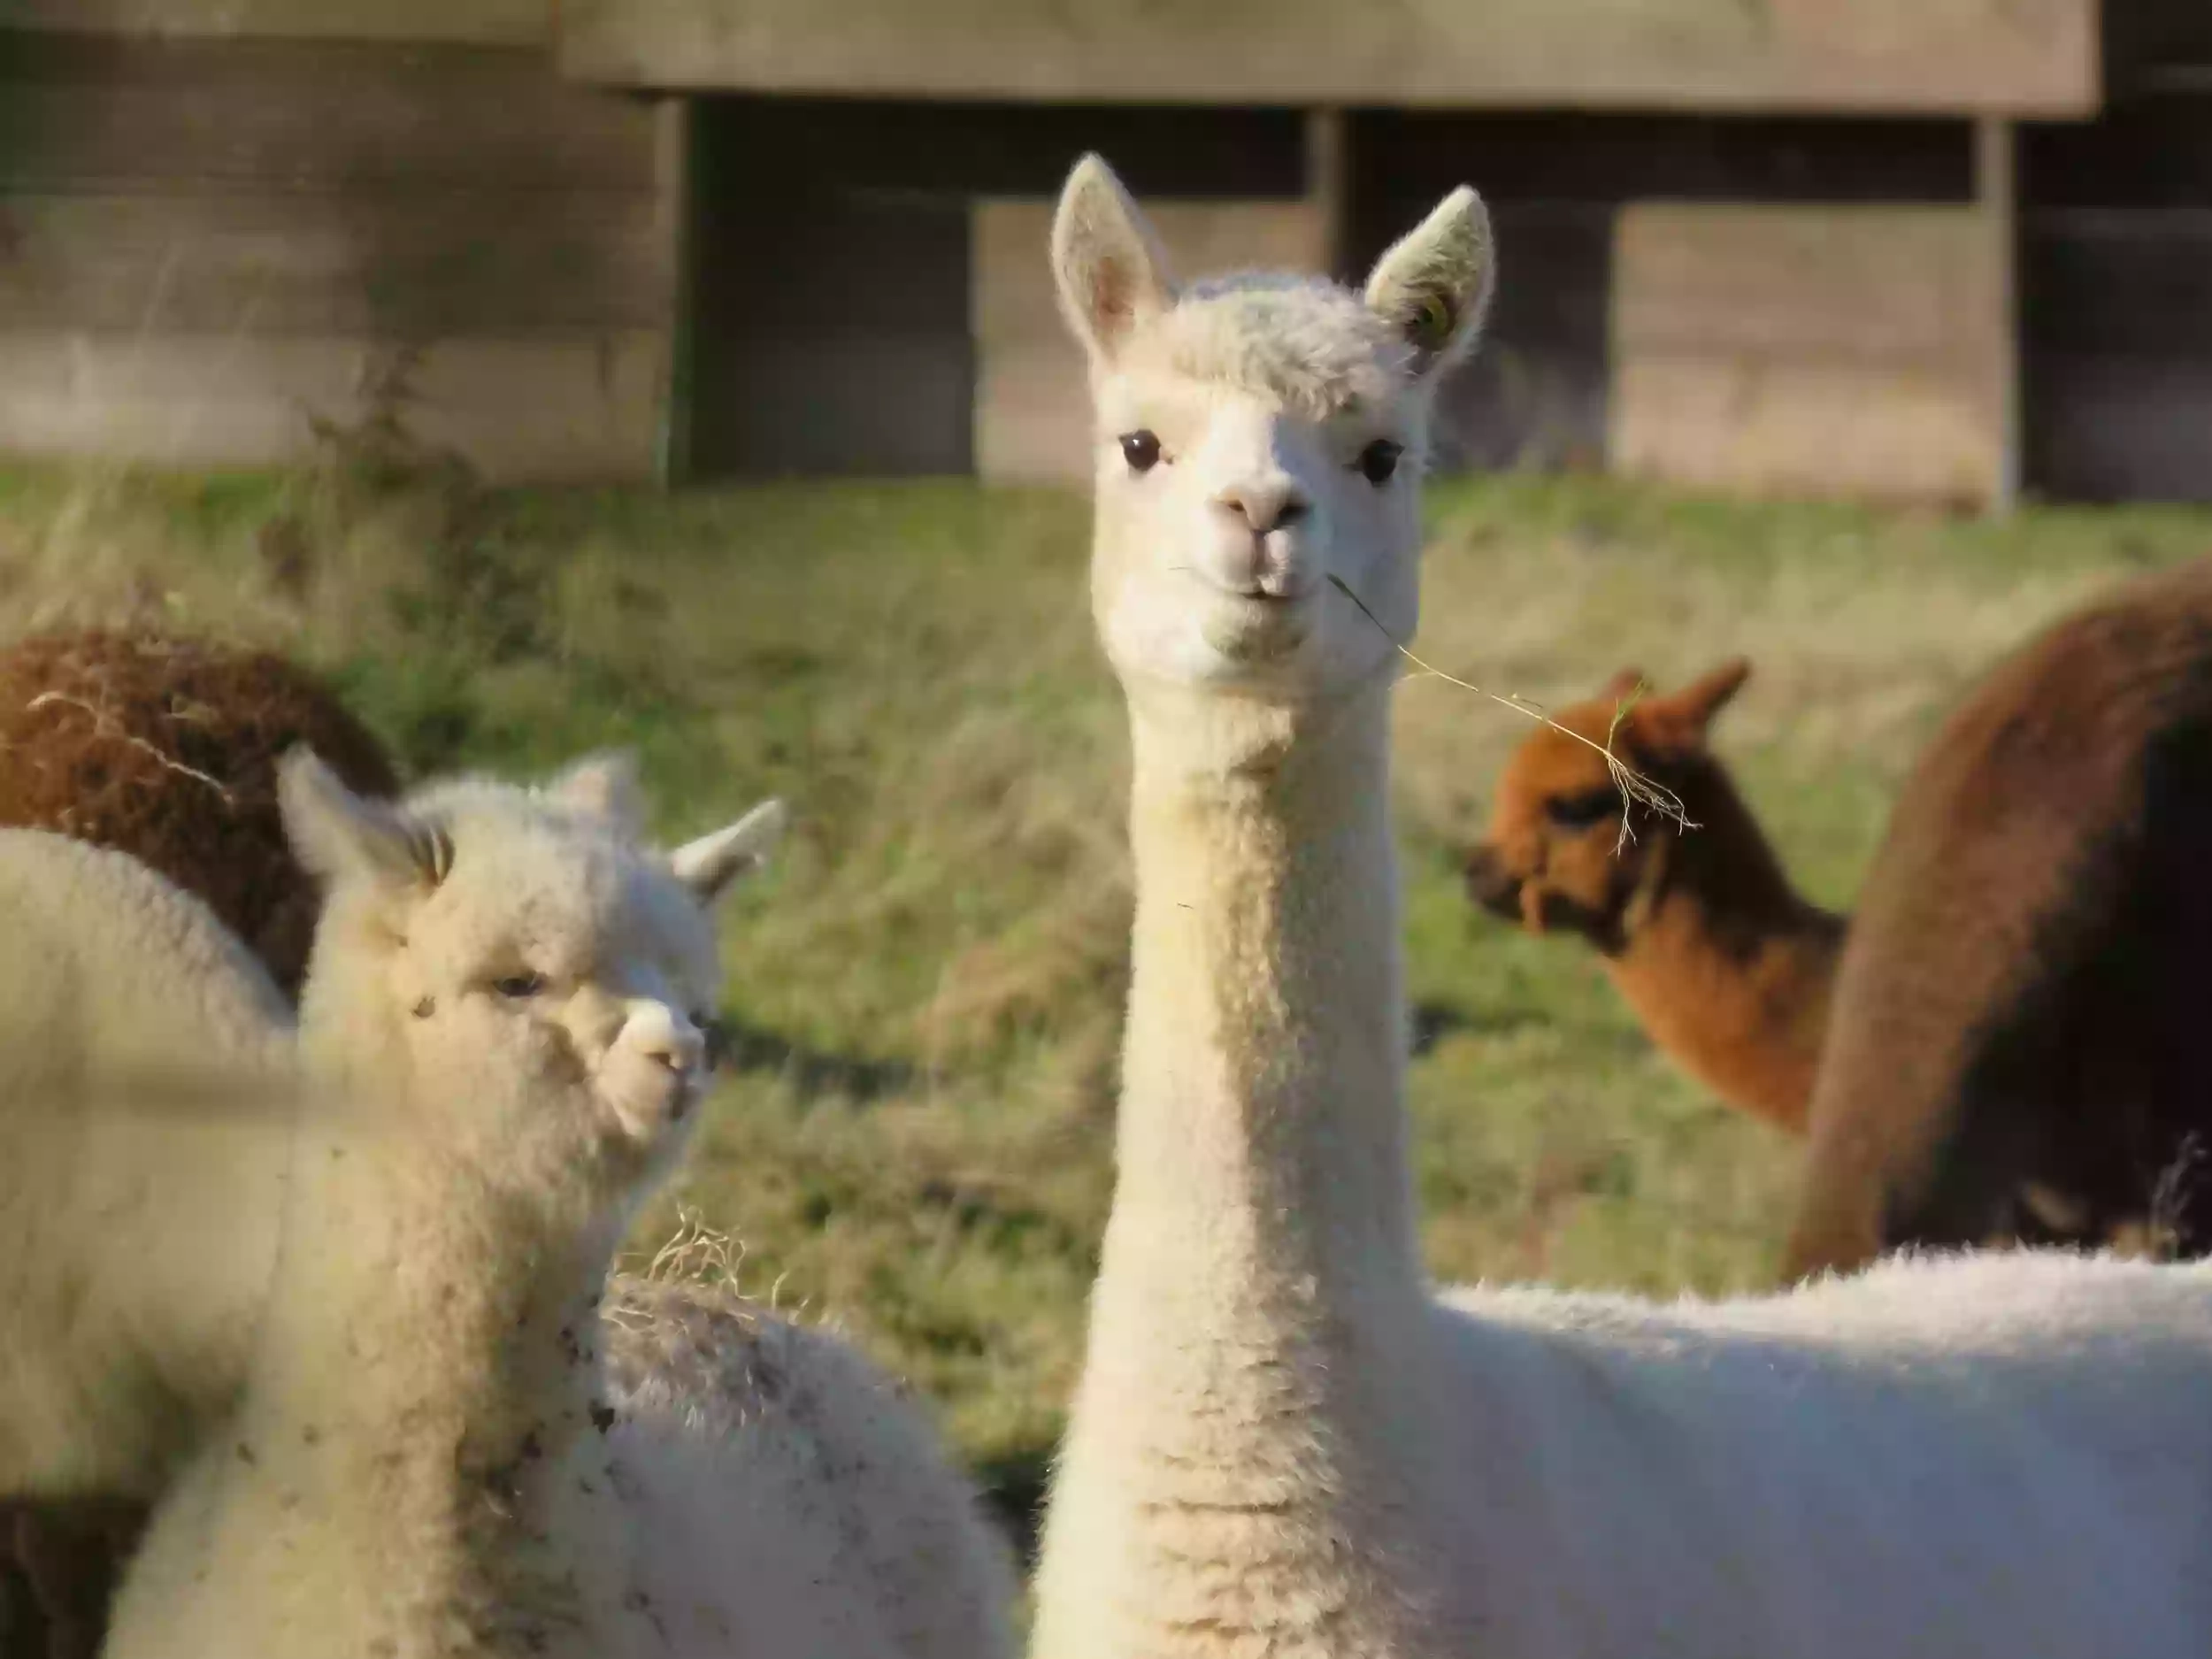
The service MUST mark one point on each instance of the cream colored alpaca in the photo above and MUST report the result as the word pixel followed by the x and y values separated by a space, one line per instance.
pixel 503 1036
pixel 134 1246
pixel 1282 1443
pixel 138 1242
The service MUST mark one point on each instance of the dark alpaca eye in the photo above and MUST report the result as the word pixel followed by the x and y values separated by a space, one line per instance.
pixel 1379 459
pixel 1582 812
pixel 1140 449
pixel 519 985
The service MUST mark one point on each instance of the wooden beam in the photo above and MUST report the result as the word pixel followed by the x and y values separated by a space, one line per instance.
pixel 2018 56
pixel 576 409
pixel 381 264
pixel 1996 200
pixel 479 22
pixel 675 129
pixel 99 114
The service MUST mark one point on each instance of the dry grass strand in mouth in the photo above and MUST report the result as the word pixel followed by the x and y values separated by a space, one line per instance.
pixel 1634 785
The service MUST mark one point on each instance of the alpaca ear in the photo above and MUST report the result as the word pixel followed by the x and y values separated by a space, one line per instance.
pixel 337 835
pixel 710 864
pixel 605 785
pixel 1712 691
pixel 1682 717
pixel 1106 262
pixel 1434 284
pixel 1623 685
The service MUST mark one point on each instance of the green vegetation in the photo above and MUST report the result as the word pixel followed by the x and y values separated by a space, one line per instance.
pixel 915 1140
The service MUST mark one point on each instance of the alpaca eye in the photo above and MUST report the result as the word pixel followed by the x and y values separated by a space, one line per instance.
pixel 1581 811
pixel 519 985
pixel 1140 449
pixel 1379 459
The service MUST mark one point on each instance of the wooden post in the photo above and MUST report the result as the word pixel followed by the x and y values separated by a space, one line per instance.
pixel 1328 185
pixel 1997 196
pixel 675 120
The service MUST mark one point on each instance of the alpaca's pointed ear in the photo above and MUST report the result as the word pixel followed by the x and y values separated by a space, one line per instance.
pixel 337 835
pixel 1106 262
pixel 1704 697
pixel 710 864
pixel 1433 285
pixel 1622 686
pixel 605 785
pixel 1682 717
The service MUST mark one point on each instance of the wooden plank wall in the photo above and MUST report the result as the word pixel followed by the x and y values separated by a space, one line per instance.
pixel 2000 55
pixel 1824 350
pixel 1031 407
pixel 203 241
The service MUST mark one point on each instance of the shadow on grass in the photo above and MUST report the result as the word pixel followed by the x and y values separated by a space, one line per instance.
pixel 1433 1021
pixel 810 1071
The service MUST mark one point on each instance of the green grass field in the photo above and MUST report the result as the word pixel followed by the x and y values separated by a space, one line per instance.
pixel 916 1141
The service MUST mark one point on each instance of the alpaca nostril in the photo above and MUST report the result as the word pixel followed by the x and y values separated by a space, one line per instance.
pixel 1265 507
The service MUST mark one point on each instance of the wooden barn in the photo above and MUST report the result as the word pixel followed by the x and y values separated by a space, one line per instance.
pixel 1936 250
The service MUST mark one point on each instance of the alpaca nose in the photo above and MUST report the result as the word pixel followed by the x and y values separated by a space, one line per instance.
pixel 1490 884
pixel 659 1032
pixel 1266 505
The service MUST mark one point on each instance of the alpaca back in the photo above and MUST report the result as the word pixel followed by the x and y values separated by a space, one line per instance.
pixel 2000 1454
pixel 776 1465
pixel 2017 1009
pixel 140 1237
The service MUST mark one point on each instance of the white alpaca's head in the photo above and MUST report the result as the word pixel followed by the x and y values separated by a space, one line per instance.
pixel 519 964
pixel 1257 436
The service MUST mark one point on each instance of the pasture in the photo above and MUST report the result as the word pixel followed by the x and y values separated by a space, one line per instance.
pixel 914 1138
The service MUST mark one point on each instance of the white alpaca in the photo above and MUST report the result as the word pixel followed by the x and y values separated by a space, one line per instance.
pixel 502 1038
pixel 139 1243
pixel 1282 1443
pixel 131 1272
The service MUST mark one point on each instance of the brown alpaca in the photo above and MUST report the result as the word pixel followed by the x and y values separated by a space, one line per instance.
pixel 164 748
pixel 2018 1040
pixel 1727 966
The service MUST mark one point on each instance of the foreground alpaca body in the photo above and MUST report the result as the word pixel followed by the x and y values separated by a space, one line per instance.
pixel 430 1457
pixel 502 1048
pixel 1282 1445
pixel 1728 967
pixel 130 1281
pixel 166 748
pixel 2016 1039
pixel 134 1274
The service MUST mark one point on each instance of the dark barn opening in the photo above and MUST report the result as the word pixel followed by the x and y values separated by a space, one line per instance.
pixel 2115 272
pixel 829 281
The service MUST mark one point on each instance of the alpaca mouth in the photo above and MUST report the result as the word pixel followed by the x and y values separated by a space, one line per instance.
pixel 1250 628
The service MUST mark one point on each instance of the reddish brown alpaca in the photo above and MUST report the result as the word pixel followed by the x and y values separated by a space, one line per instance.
pixel 2017 1043
pixel 165 747
pixel 1727 966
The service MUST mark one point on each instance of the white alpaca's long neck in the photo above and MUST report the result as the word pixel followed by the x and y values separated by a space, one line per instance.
pixel 1259 1319
pixel 1262 1152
